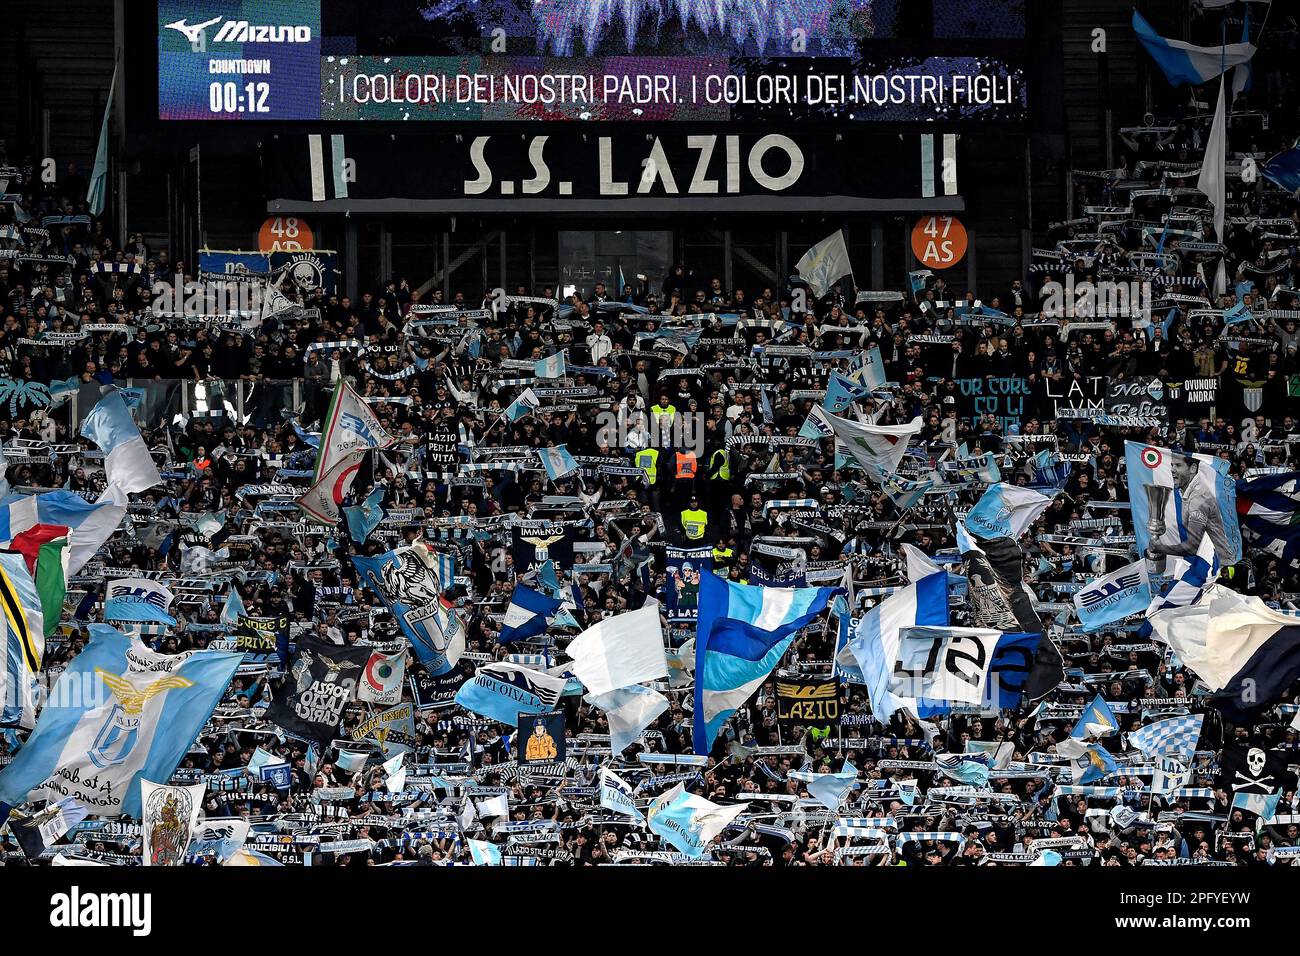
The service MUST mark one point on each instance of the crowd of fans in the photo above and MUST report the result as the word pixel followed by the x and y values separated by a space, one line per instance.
pixel 736 368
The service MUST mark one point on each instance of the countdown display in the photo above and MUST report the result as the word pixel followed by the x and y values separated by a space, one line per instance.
pixel 580 60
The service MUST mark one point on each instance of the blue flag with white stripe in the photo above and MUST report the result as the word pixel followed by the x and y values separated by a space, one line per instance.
pixel 526 616
pixel 742 633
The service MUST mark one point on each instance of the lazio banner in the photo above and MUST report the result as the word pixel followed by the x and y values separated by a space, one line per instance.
pixel 810 702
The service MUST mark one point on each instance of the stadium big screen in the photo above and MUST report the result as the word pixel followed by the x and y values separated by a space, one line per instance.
pixel 637 100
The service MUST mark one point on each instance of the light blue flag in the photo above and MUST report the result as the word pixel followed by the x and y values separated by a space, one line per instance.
pixel 127 462
pixel 1263 805
pixel 365 517
pixel 557 461
pixel 1098 720
pixel 1185 62
pixel 616 795
pixel 99 174
pixel 1093 764
pixel 689 822
pixel 963 769
pixel 742 633
pixel 233 609
pixel 1005 511
pixel 552 366
pixel 118 714
pixel 1114 596
pixel 503 691
pixel 526 616
pixel 63 389
pixel 841 392
pixel 873 368
pixel 484 853
pixel 829 789
pixel 524 405
pixel 1238 313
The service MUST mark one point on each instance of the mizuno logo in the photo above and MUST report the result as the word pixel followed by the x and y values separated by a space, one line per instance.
pixel 193 33
pixel 241 31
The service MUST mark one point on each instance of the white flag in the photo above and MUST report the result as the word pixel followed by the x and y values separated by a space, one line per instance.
pixel 620 650
pixel 1213 180
pixel 629 711
pixel 824 263
pixel 875 446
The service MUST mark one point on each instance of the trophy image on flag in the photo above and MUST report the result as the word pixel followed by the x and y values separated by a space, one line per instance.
pixel 1157 498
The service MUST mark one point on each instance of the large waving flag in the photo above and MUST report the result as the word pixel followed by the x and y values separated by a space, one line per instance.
pixel 93 523
pixel 619 651
pixel 1005 511
pixel 351 429
pixel 741 635
pixel 874 446
pixel 1186 62
pixel 1245 652
pixel 119 713
pixel 24 642
pixel 1179 497
pixel 127 462
pixel 874 646
pixel 689 822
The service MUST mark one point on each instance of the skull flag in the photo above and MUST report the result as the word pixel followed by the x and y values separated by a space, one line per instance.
pixel 1253 770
